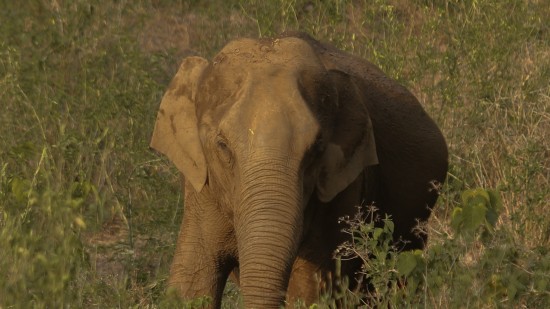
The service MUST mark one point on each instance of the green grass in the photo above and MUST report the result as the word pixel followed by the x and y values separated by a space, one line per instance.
pixel 89 215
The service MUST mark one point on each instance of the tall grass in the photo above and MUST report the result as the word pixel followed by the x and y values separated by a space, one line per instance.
pixel 89 216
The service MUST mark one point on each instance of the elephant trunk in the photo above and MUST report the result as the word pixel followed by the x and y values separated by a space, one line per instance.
pixel 269 229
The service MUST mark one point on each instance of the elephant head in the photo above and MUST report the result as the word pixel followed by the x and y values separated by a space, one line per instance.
pixel 257 133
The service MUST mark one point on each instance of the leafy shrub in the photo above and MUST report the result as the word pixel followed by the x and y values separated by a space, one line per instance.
pixel 41 254
pixel 473 267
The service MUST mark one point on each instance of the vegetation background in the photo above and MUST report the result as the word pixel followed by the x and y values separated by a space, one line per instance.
pixel 89 215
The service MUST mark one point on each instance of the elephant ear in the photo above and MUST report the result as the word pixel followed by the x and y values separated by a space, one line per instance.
pixel 351 147
pixel 176 133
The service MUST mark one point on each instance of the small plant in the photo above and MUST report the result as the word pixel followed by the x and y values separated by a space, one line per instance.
pixel 404 279
pixel 372 242
pixel 41 253
pixel 479 210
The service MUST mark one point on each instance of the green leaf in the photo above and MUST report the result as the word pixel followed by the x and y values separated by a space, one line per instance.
pixel 377 232
pixel 494 209
pixel 474 215
pixel 475 196
pixel 475 205
pixel 542 284
pixel 20 189
pixel 388 224
pixel 456 219
pixel 406 263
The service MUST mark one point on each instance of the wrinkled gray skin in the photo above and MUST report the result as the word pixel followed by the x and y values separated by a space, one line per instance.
pixel 277 139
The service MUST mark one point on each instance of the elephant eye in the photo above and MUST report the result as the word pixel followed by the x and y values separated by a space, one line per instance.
pixel 223 151
pixel 222 145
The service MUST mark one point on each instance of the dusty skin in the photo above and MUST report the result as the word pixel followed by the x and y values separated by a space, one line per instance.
pixel 277 139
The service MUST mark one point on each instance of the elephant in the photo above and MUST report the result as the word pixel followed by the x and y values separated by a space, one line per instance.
pixel 276 139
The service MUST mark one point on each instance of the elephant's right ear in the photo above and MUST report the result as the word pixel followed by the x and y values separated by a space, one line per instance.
pixel 176 133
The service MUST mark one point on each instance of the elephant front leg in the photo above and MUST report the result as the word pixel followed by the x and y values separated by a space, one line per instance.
pixel 203 257
pixel 304 283
pixel 311 278
pixel 194 272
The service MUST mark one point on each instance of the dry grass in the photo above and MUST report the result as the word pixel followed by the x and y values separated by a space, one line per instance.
pixel 80 83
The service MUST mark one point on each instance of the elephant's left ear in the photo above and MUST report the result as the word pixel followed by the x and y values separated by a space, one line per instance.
pixel 176 133
pixel 352 147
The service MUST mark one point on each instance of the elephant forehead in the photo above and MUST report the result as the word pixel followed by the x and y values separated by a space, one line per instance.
pixel 273 115
pixel 252 91
pixel 262 62
pixel 291 52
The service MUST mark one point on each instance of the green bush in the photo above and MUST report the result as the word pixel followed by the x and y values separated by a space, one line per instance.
pixel 41 254
pixel 474 267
